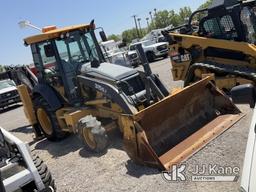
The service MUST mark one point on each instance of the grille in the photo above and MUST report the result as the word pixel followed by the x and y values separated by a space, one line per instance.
pixel 133 56
pixel 162 47
pixel 9 94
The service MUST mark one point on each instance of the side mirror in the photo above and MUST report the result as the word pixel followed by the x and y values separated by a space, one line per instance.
pixel 49 51
pixel 103 36
pixel 244 94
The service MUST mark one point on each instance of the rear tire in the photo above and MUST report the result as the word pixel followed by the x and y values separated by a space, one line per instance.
pixel 44 172
pixel 24 79
pixel 47 120
pixel 165 56
pixel 150 56
pixel 135 65
pixel 92 134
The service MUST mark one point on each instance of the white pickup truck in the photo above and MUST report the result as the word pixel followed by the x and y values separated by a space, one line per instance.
pixel 8 93
pixel 153 50
pixel 114 54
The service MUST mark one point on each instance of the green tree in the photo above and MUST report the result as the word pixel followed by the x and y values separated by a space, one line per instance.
pixel 165 18
pixel 114 37
pixel 205 5
pixel 1 69
pixel 129 35
pixel 175 19
pixel 184 14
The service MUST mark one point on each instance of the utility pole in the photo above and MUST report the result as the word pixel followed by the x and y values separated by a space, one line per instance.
pixel 139 19
pixel 155 12
pixel 147 22
pixel 150 13
pixel 151 17
pixel 135 21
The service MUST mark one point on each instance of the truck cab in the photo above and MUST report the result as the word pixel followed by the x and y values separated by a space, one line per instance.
pixel 153 50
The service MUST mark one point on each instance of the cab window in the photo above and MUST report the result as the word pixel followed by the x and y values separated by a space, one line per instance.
pixel 220 27
pixel 47 61
pixel 50 70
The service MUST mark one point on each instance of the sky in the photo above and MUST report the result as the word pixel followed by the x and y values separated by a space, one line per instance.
pixel 113 15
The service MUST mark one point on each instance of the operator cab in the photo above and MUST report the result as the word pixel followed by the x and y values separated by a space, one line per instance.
pixel 229 20
pixel 61 55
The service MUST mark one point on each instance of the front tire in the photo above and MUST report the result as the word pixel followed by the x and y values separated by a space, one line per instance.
pixel 151 57
pixel 47 120
pixel 92 134
pixel 165 56
pixel 44 172
pixel 135 65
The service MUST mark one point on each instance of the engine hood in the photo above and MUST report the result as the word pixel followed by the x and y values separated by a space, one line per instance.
pixel 108 70
pixel 132 52
pixel 157 44
pixel 8 89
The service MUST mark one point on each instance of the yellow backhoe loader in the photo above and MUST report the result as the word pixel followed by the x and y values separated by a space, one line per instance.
pixel 76 91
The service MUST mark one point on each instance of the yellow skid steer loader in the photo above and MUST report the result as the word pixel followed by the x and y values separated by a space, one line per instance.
pixel 76 91
pixel 220 43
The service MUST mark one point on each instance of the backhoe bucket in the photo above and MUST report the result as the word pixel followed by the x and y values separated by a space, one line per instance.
pixel 173 129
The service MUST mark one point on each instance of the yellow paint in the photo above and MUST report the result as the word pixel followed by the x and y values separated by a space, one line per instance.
pixel 53 33
pixel 190 40
pixel 179 70
pixel 27 104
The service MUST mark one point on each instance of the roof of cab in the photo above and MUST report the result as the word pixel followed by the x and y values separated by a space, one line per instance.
pixel 54 33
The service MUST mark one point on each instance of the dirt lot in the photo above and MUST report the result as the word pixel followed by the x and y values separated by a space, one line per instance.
pixel 75 169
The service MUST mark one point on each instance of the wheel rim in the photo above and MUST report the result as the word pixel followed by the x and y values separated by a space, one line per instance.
pixel 44 121
pixel 89 138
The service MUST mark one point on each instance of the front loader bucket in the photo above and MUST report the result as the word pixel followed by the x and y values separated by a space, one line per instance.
pixel 173 129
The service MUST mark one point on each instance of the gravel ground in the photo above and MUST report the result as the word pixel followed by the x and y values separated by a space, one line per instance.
pixel 74 169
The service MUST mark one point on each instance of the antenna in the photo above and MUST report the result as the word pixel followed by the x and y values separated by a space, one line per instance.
pixel 26 23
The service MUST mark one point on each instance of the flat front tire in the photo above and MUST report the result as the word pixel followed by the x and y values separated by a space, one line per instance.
pixel 92 134
pixel 150 56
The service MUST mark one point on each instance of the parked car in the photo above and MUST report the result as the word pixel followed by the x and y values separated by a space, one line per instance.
pixel 114 54
pixel 8 93
pixel 155 35
pixel 134 58
pixel 153 50
pixel 246 94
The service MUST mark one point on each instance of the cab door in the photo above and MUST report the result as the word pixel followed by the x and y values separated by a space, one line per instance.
pixel 47 69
